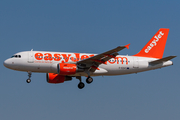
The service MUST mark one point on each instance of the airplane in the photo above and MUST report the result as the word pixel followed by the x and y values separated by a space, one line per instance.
pixel 63 66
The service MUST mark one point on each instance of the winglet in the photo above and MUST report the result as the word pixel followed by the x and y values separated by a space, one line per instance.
pixel 127 46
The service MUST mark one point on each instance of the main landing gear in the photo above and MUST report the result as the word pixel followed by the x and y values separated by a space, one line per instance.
pixel 81 84
pixel 89 80
pixel 29 75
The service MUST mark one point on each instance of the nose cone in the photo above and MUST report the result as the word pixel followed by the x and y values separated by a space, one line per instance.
pixel 7 63
pixel 11 64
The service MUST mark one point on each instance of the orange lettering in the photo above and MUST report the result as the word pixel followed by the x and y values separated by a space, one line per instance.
pixel 57 57
pixel 84 57
pixel 91 55
pixel 48 56
pixel 112 62
pixel 122 58
pixel 77 57
pixel 39 56
pixel 66 58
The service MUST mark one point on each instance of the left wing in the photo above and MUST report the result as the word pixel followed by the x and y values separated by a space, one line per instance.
pixel 95 61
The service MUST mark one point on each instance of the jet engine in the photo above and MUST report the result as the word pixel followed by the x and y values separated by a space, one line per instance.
pixel 56 78
pixel 68 69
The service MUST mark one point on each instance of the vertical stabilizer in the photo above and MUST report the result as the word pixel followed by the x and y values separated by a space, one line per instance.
pixel 155 47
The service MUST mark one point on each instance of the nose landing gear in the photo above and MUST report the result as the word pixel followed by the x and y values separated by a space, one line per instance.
pixel 29 75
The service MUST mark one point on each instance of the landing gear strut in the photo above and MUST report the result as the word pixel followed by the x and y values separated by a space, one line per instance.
pixel 29 75
pixel 81 84
pixel 89 78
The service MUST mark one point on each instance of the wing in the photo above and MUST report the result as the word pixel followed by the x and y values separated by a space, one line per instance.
pixel 95 61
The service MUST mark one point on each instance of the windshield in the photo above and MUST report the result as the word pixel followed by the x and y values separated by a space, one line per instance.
pixel 16 56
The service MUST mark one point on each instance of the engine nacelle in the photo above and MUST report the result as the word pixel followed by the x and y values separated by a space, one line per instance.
pixel 55 78
pixel 67 69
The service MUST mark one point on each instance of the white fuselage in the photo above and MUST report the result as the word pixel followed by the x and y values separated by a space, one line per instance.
pixel 46 62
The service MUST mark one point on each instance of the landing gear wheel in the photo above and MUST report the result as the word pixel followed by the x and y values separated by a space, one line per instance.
pixel 81 85
pixel 28 80
pixel 89 80
pixel 29 75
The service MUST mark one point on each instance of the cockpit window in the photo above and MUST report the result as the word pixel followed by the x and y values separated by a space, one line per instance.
pixel 16 56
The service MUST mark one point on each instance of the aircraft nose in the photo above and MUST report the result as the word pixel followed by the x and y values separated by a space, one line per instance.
pixel 6 63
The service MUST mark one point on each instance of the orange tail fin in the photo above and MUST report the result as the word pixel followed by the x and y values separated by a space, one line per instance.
pixel 155 47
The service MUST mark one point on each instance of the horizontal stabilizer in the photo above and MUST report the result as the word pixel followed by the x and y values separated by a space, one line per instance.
pixel 162 60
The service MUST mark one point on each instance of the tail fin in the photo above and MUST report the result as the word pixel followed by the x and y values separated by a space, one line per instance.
pixel 155 47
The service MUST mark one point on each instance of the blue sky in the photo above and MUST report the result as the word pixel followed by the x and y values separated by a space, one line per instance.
pixel 89 27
